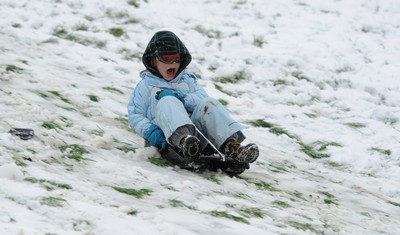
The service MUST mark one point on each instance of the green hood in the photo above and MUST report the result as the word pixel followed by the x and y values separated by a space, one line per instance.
pixel 164 43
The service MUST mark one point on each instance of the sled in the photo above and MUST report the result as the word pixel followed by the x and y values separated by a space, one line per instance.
pixel 209 160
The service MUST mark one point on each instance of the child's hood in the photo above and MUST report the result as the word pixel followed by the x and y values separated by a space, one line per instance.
pixel 164 43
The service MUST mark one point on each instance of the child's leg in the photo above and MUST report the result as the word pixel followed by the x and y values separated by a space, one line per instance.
pixel 215 122
pixel 173 119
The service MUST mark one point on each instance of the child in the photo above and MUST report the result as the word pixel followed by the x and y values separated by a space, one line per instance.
pixel 168 107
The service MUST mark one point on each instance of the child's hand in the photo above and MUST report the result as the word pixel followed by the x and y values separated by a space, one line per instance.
pixel 176 93
pixel 156 137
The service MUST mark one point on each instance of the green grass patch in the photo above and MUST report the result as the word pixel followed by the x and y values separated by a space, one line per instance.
pixel 123 120
pixel 113 90
pixel 277 169
pixel 302 226
pixel 311 152
pixel 253 212
pixel 261 123
pixel 159 161
pixel 51 125
pixel 387 152
pixel 356 124
pixel 213 178
pixel 74 151
pixel 300 76
pixel 56 93
pixel 394 203
pixel 224 214
pixel 137 193
pixel 63 33
pixel 223 102
pixel 325 145
pixel 281 204
pixel 280 82
pixel 297 194
pixel 49 185
pixel 218 87
pixel 329 198
pixel 93 98
pixel 19 162
pixel 178 203
pixel 258 41
pixel 14 69
pixel 53 201
pixel 265 186
pixel 126 148
pixel 132 212
pixel 235 78
pixel 242 195
pixel 117 32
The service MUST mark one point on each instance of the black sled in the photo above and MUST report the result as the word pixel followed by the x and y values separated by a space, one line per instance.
pixel 209 160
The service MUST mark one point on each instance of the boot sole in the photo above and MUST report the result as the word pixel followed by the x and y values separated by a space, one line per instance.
pixel 191 147
pixel 249 153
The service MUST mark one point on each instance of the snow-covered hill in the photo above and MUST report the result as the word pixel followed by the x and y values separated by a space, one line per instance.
pixel 316 81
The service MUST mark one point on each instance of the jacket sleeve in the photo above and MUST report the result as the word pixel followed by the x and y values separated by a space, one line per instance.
pixel 195 95
pixel 137 110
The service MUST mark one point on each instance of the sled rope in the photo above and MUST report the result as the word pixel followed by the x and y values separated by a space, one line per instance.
pixel 208 141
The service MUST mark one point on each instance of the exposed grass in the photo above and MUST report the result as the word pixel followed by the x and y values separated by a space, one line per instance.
pixel 356 124
pixel 297 194
pixel 49 185
pixel 235 78
pixel 210 33
pixel 74 151
pixel 134 3
pixel 13 68
pixel 261 123
pixel 221 89
pixel 19 162
pixel 325 145
pixel 223 102
pixel 63 33
pixel 224 214
pixel 56 93
pixel 93 98
pixel 299 75
pixel 281 204
pixel 53 201
pixel 159 161
pixel 51 125
pixel 253 212
pixel 394 203
pixel 258 41
pixel 132 212
pixel 307 149
pixel 137 193
pixel 311 152
pixel 386 152
pixel 302 226
pixel 280 82
pixel 213 178
pixel 265 186
pixel 123 120
pixel 117 32
pixel 178 203
pixel 329 198
pixel 113 90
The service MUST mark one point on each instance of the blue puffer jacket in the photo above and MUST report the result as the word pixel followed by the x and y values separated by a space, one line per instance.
pixel 142 103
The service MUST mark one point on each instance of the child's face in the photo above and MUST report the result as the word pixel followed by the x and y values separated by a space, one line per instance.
pixel 167 71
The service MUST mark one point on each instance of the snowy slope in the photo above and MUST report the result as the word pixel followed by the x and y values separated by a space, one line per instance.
pixel 316 81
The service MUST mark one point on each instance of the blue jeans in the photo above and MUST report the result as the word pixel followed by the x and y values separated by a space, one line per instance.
pixel 210 117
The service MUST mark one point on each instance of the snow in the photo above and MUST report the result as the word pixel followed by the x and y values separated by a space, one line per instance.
pixel 324 72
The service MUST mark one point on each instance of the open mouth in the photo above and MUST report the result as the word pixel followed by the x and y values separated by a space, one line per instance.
pixel 171 71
